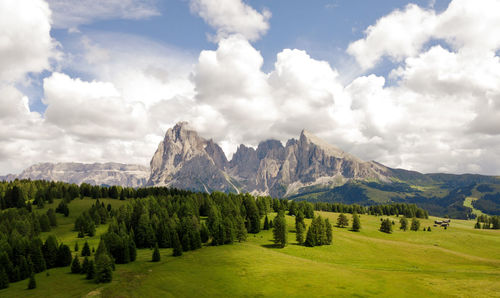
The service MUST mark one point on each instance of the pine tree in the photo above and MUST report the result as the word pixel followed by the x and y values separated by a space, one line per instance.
pixel 386 226
pixel 279 230
pixel 63 256
pixel 90 270
pixel 85 265
pixel 204 234
pixel 428 229
pixel 404 224
pixel 50 250
pixel 32 282
pixel 86 250
pixel 76 246
pixel 156 254
pixel 177 245
pixel 266 223
pixel 37 258
pixel 299 233
pixel 75 265
pixel 415 224
pixel 310 237
pixel 477 225
pixel 241 231
pixel 132 249
pixel 356 224
pixel 104 268
pixel 328 229
pixel 4 279
pixel 342 221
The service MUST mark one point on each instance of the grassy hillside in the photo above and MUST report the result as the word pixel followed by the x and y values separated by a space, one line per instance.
pixel 459 261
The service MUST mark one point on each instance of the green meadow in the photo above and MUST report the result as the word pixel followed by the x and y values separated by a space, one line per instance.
pixel 457 262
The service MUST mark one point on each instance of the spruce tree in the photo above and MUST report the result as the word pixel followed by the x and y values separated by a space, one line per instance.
pixel 415 224
pixel 177 245
pixel 386 226
pixel 85 265
pixel 280 231
pixel 4 278
pixel 299 233
pixel 310 237
pixel 342 221
pixel 104 268
pixel 328 229
pixel 76 246
pixel 63 256
pixel 156 254
pixel 132 250
pixel 86 250
pixel 50 250
pixel 404 224
pixel 32 282
pixel 204 234
pixel 90 270
pixel 477 225
pixel 266 223
pixel 241 231
pixel 356 224
pixel 75 265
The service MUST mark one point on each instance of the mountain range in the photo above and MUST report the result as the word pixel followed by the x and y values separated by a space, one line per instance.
pixel 307 168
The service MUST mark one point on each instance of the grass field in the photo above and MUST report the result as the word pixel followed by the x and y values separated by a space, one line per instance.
pixel 457 262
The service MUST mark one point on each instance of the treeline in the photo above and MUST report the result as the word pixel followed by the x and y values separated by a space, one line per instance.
pixel 487 222
pixel 408 210
pixel 22 253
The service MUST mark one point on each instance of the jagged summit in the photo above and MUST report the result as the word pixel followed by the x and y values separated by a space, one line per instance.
pixel 186 160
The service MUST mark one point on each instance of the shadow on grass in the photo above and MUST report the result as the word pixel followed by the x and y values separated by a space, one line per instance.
pixel 271 245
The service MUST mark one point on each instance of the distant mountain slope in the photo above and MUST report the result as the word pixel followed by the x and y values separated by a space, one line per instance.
pixel 97 173
pixel 310 169
pixel 306 168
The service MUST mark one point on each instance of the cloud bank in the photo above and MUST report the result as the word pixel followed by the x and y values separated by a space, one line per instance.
pixel 440 113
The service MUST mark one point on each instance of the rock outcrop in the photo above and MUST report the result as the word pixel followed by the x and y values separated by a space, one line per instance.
pixel 96 174
pixel 186 160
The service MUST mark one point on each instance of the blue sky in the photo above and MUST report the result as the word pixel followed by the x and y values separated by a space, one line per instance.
pixel 411 84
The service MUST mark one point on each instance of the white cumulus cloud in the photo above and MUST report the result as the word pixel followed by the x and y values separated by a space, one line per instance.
pixel 232 17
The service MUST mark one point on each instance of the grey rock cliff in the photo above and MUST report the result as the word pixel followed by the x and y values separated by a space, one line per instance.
pixel 96 174
pixel 185 160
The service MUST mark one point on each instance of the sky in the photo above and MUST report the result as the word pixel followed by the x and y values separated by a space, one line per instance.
pixel 410 84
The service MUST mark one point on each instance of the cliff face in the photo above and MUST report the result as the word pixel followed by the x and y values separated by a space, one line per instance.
pixel 96 174
pixel 185 160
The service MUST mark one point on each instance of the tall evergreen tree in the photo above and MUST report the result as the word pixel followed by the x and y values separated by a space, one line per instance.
pixel 4 279
pixel 156 254
pixel 104 268
pixel 266 223
pixel 86 250
pixel 75 265
pixel 90 274
pixel 415 224
pixel 204 233
pixel 32 282
pixel 403 224
pixel 177 245
pixel 356 224
pixel 76 246
pixel 299 236
pixel 85 265
pixel 386 226
pixel 50 249
pixel 342 221
pixel 328 230
pixel 279 230
pixel 63 256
